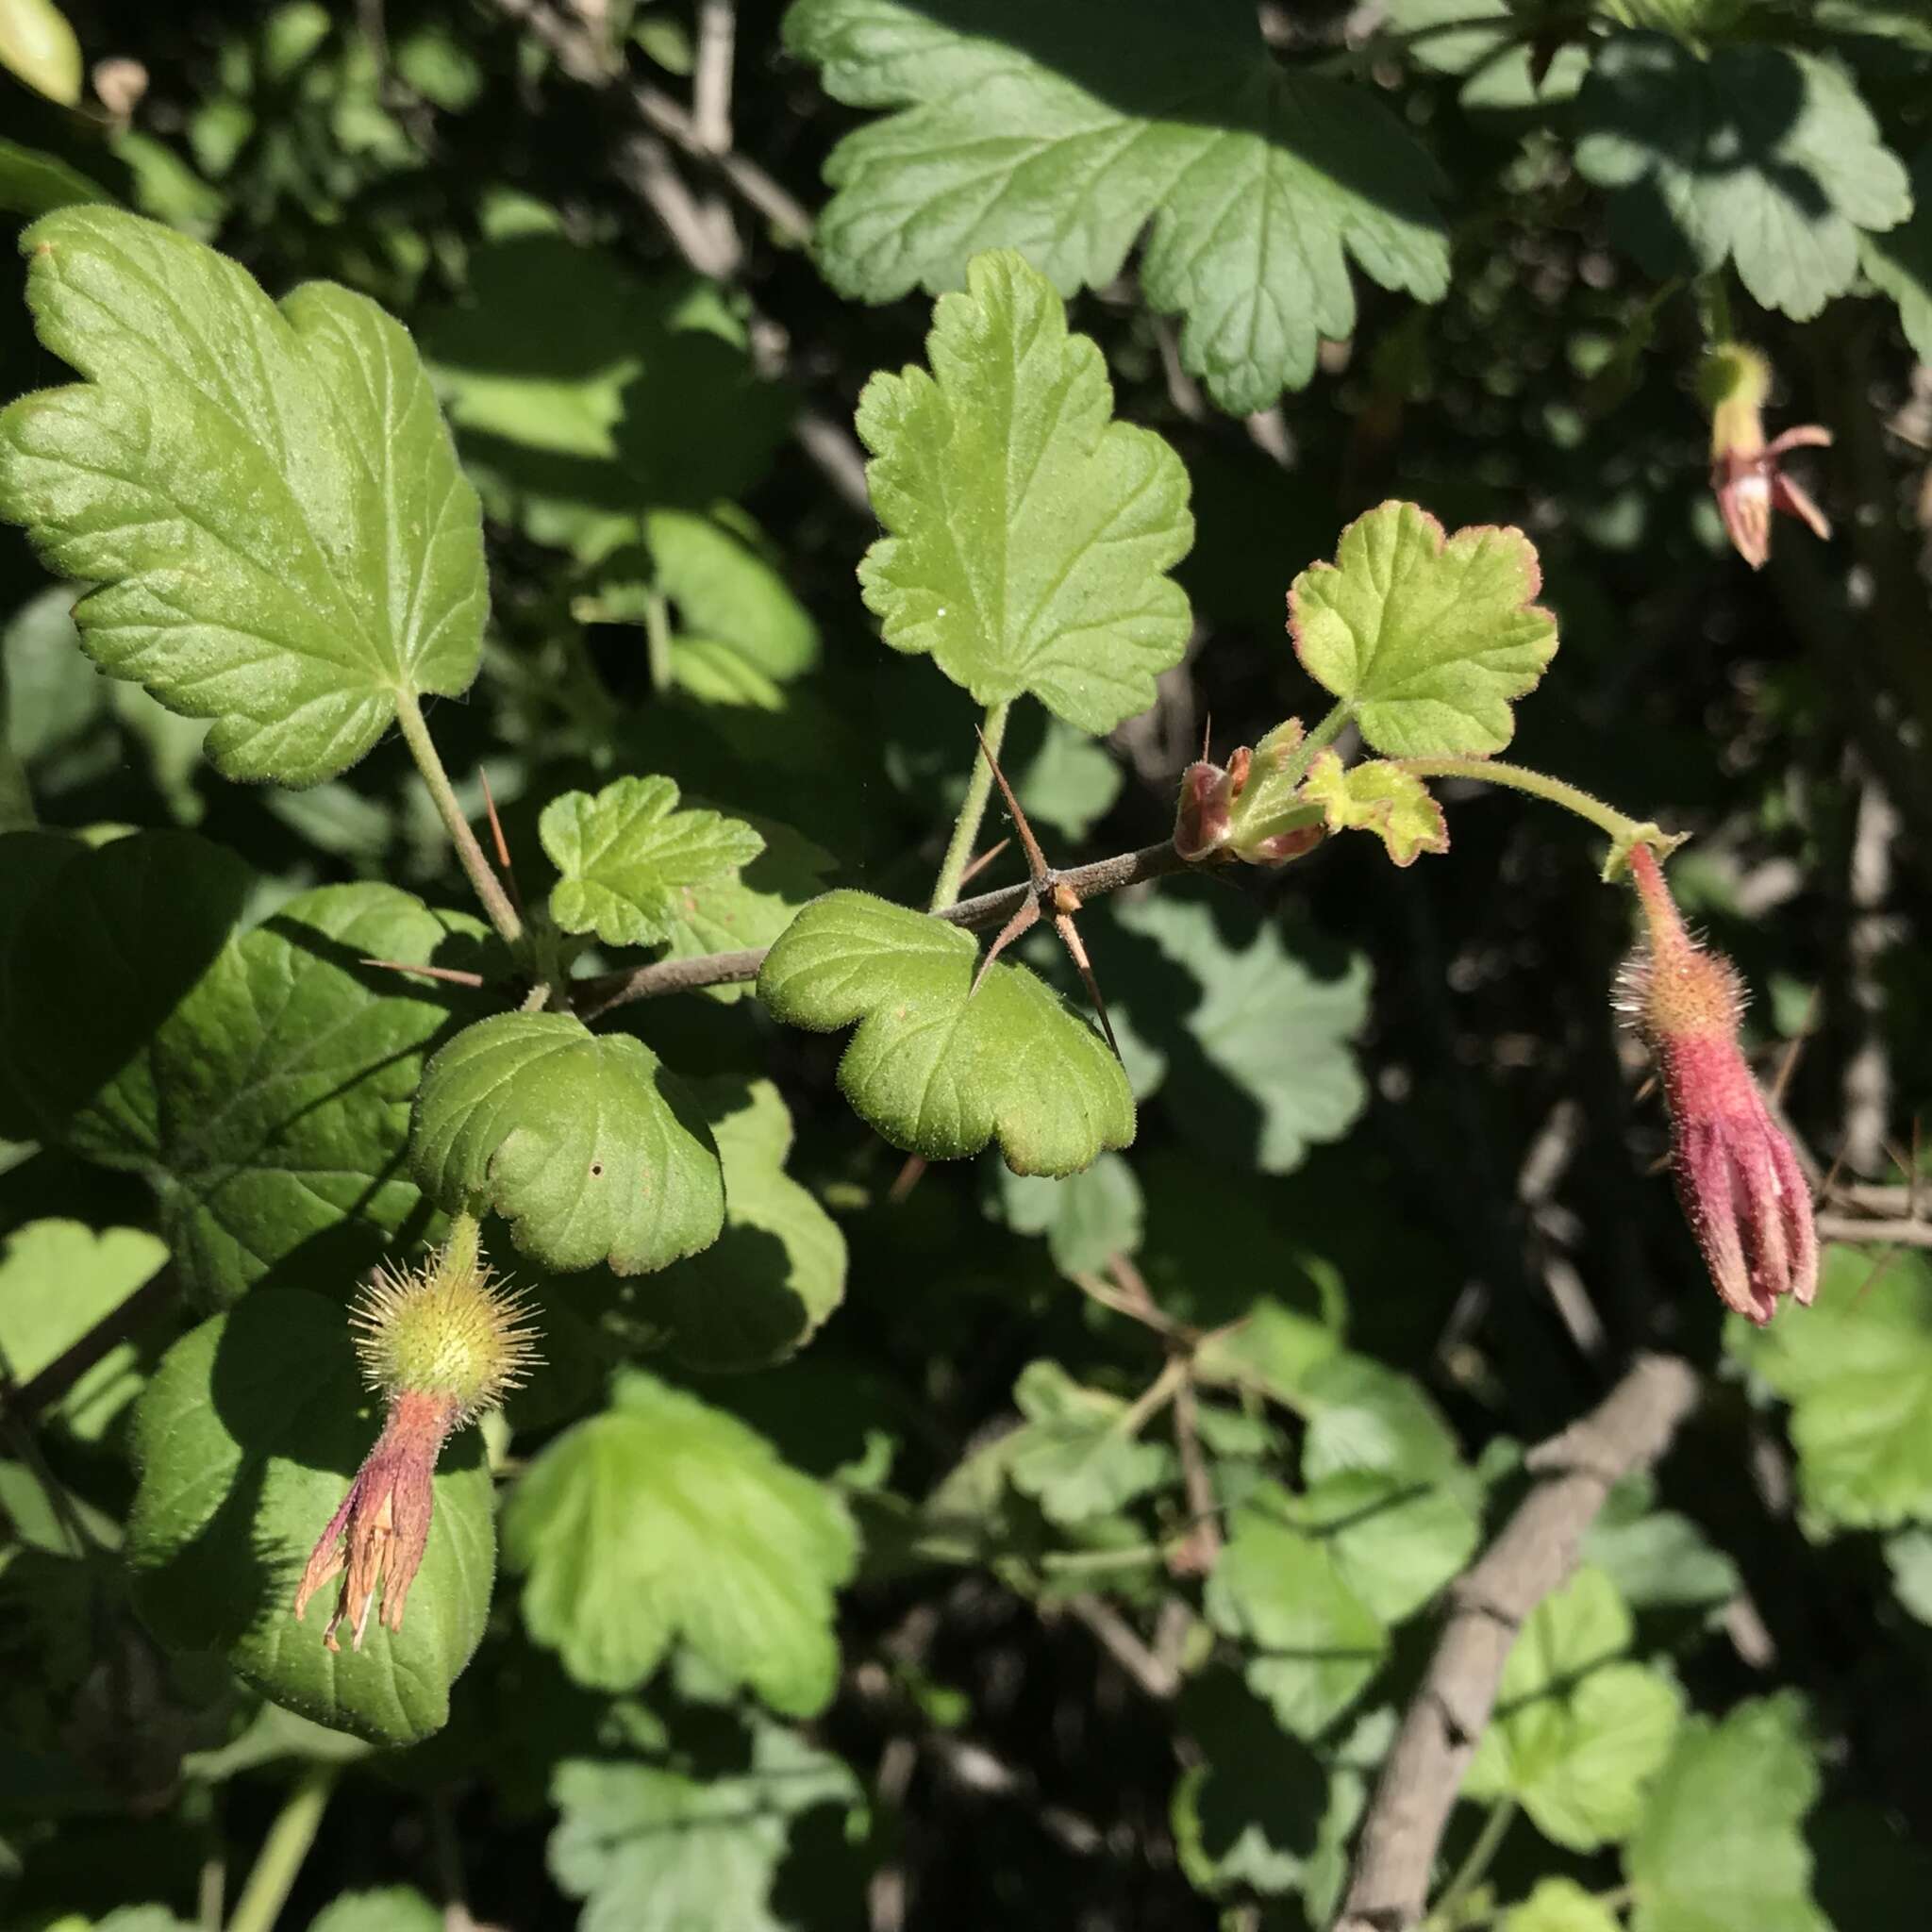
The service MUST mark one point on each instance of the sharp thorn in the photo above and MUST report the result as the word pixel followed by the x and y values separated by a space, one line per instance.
pixel 453 974
pixel 984 859
pixel 502 843
pixel 1070 938
pixel 1036 860
pixel 1027 916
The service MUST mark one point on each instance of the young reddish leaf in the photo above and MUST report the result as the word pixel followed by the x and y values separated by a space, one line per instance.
pixel 1381 798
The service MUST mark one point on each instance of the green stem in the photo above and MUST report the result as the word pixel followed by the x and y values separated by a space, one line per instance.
pixel 283 1850
pixel 488 887
pixel 1606 818
pixel 1312 746
pixel 972 809
pixel 1468 1874
pixel 1713 306
pixel 1153 1398
pixel 657 640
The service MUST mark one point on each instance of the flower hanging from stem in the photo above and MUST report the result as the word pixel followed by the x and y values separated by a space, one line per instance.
pixel 1738 1177
pixel 443 1343
pixel 1746 472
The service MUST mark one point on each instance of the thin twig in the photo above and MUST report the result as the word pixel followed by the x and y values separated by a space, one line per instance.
pixel 1201 1550
pixel 603 991
pixel 710 81
pixel 1396 1850
pixel 1123 1644
pixel 1907 1233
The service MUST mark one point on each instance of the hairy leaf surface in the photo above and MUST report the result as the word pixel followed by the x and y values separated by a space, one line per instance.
pixel 1062 131
pixel 1029 535
pixel 936 1071
pixel 266 496
pixel 663 1520
pixel 582 1141
pixel 1425 636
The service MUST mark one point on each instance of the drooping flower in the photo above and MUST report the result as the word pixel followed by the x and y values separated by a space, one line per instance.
pixel 1737 1178
pixel 442 1344
pixel 1746 472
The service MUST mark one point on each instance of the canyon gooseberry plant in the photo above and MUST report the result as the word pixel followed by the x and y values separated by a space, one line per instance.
pixel 1029 1351
pixel 1028 545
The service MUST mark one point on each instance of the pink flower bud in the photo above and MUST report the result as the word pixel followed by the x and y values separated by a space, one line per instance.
pixel 1742 1190
pixel 1202 819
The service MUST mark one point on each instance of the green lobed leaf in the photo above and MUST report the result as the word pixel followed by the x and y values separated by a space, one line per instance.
pixel 936 1071
pixel 1579 1732
pixel 1394 1539
pixel 731 911
pixel 1909 1556
pixel 258 1080
pixel 266 498
pixel 1755 155
pixel 1900 262
pixel 35 183
pixel 630 858
pixel 1489 45
pixel 1425 636
pixel 769 1282
pixel 1242 1026
pixel 1259 1810
pixel 1315 1642
pixel 583 1142
pixel 1364 1416
pixel 59 1279
pixel 1029 535
pixel 582 392
pixel 653 1849
pixel 1719 1847
pixel 724 588
pixel 1378 798
pixel 663 1520
pixel 1559 1905
pixel 1088 1218
pixel 1654 1558
pixel 1072 1455
pixel 1261 183
pixel 1856 1369
pixel 245 1442
pixel 388 1908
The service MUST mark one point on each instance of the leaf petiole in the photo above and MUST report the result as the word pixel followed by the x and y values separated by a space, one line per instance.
pixel 972 809
pixel 488 887
pixel 279 1862
pixel 1318 740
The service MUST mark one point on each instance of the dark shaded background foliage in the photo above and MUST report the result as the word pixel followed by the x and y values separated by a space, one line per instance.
pixel 1492 1214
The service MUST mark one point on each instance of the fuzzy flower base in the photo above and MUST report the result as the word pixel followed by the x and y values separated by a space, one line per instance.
pixel 442 1344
